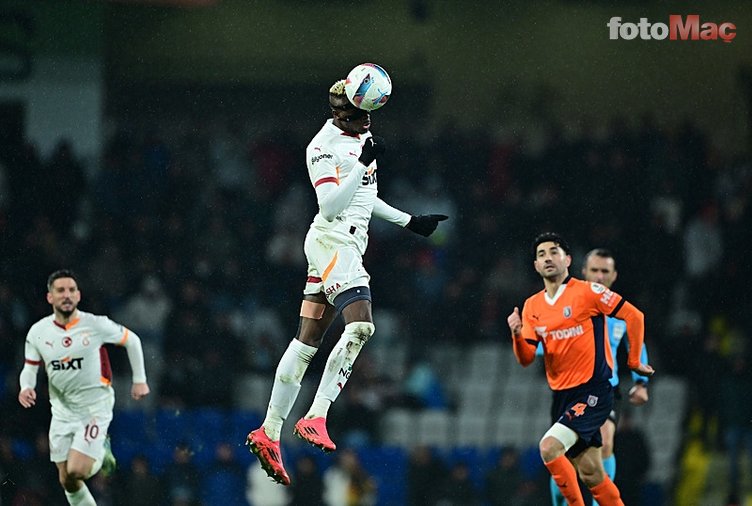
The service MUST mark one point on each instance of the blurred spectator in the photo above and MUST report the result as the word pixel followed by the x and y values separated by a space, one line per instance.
pixel 425 477
pixel 735 410
pixel 261 491
pixel 458 489
pixel 66 179
pixel 703 250
pixel 346 483
pixel 307 486
pixel 146 311
pixel 504 481
pixel 138 485
pixel 422 387
pixel 40 475
pixel 632 459
pixel 224 482
pixel 182 479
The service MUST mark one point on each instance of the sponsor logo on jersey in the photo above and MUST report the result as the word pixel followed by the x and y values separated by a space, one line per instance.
pixel 369 177
pixel 559 334
pixel 597 287
pixel 67 364
pixel 320 157
pixel 607 297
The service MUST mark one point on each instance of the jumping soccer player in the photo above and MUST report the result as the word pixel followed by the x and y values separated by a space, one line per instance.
pixel 342 168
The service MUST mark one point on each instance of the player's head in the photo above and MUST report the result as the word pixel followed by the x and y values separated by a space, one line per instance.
pixel 346 116
pixel 600 267
pixel 552 258
pixel 62 292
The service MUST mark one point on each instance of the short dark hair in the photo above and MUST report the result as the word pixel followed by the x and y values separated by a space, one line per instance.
pixel 550 237
pixel 60 273
pixel 601 252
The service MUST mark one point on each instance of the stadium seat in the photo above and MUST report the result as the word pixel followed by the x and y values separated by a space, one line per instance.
pixel 477 397
pixel 435 428
pixel 473 430
pixel 398 427
pixel 251 392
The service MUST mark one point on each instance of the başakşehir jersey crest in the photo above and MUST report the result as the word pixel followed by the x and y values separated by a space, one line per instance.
pixel 77 365
pixel 572 329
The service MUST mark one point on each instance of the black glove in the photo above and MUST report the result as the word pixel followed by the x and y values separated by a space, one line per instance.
pixel 373 147
pixel 425 224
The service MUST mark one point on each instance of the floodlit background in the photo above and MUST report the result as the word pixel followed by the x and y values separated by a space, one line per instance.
pixel 157 148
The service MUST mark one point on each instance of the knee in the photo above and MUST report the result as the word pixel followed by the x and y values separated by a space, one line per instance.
pixel 361 330
pixel 590 474
pixel 550 449
pixel 70 481
pixel 607 449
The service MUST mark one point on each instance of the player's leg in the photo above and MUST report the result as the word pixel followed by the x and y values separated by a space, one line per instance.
pixel 557 498
pixel 61 436
pixel 72 474
pixel 355 306
pixel 608 430
pixel 553 447
pixel 590 467
pixel 316 315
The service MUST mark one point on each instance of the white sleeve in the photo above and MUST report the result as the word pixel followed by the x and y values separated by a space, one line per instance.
pixel 132 346
pixel 393 215
pixel 334 199
pixel 111 332
pixel 32 359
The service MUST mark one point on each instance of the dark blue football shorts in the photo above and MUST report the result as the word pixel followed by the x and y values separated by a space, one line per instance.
pixel 583 409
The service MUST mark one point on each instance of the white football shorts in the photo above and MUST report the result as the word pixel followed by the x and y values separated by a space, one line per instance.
pixel 333 266
pixel 85 434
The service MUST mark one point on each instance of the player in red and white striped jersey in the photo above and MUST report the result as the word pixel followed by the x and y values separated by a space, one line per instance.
pixel 69 343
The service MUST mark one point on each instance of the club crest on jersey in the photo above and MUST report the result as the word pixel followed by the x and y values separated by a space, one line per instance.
pixel 567 311
pixel 67 341
pixel 592 400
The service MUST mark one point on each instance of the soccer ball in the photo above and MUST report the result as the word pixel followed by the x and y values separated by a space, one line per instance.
pixel 368 86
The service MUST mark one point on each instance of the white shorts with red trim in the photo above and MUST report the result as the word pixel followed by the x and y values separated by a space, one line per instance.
pixel 333 266
pixel 85 433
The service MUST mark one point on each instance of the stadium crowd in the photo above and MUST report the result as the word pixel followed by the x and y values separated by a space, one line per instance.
pixel 190 232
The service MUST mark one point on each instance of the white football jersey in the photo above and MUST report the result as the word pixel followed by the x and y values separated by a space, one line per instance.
pixel 331 156
pixel 77 365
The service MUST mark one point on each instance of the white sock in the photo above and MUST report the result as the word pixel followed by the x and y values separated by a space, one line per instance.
pixel 337 370
pixel 290 371
pixel 82 497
